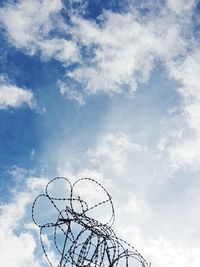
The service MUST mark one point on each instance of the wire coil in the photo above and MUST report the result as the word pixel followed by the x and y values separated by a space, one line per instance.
pixel 79 238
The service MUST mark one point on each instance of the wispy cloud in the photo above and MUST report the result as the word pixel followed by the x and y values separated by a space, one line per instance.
pixel 112 151
pixel 18 246
pixel 70 93
pixel 184 147
pixel 32 33
pixel 120 61
pixel 14 96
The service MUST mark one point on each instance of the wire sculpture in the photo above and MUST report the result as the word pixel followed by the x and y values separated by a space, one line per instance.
pixel 77 236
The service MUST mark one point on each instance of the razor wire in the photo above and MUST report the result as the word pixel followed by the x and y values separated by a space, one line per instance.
pixel 78 238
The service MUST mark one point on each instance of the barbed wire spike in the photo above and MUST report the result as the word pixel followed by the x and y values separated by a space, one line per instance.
pixel 78 238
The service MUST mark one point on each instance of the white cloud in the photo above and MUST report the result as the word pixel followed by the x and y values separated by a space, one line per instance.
pixel 159 251
pixel 166 253
pixel 18 244
pixel 184 148
pixel 13 96
pixel 31 32
pixel 70 93
pixel 118 57
pixel 180 6
pixel 25 25
pixel 60 49
pixel 19 173
pixel 111 152
pixel 187 73
pixel 124 49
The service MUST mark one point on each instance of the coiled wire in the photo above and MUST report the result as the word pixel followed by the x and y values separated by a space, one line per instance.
pixel 79 239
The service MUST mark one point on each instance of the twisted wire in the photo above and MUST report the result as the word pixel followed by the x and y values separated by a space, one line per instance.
pixel 86 242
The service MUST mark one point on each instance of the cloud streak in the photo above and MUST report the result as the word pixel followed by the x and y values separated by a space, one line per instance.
pixel 14 96
pixel 32 33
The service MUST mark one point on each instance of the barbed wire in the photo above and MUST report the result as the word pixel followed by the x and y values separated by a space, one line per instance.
pixel 78 238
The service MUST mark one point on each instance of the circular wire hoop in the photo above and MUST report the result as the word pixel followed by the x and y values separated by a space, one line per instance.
pixel 71 231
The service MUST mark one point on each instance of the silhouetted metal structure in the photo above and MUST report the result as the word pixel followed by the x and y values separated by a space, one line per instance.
pixel 78 237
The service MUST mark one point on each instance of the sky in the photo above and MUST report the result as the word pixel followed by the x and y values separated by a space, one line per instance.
pixel 107 89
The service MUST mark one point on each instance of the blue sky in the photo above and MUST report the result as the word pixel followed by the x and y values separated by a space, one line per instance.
pixel 108 90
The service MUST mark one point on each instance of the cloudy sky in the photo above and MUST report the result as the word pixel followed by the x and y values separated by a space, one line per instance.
pixel 108 89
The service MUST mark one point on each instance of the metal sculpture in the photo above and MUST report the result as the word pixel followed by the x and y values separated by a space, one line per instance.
pixel 78 237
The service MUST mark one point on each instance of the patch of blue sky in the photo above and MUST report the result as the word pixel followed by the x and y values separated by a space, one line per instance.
pixel 24 130
pixel 2 2
pixel 3 51
pixel 19 137
pixel 196 21
pixel 46 130
pixel 76 132
pixel 95 8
